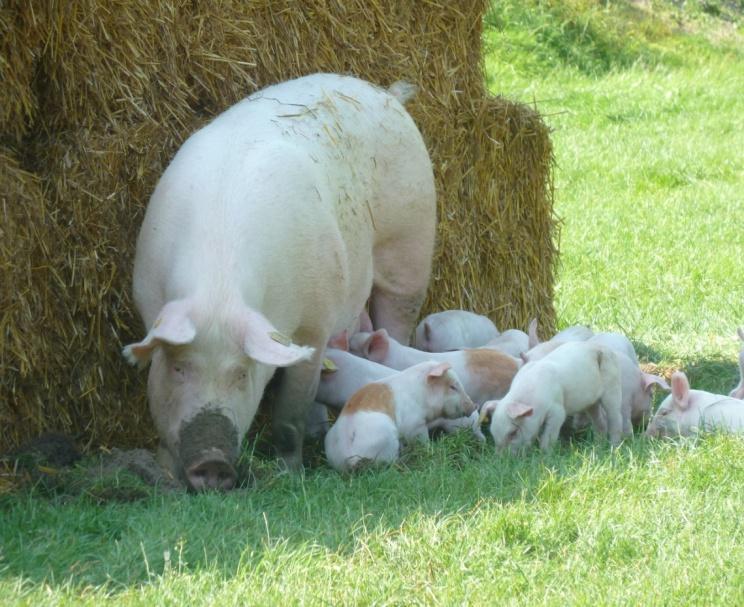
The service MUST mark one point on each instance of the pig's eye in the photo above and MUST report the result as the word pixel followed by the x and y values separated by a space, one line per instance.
pixel 179 371
pixel 513 433
pixel 664 412
pixel 453 387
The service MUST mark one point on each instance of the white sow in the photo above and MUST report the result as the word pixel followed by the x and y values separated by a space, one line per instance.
pixel 263 238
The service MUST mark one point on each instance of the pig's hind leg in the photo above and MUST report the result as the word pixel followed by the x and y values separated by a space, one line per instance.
pixel 402 271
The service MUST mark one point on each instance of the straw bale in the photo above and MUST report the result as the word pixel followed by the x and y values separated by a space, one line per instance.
pixel 102 94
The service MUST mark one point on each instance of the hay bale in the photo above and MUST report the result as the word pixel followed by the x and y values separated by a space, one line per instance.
pixel 97 98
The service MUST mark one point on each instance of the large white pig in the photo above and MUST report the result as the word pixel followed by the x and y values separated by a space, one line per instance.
pixel 453 330
pixel 264 237
pixel 576 377
pixel 372 422
pixel 484 373
pixel 687 411
pixel 738 392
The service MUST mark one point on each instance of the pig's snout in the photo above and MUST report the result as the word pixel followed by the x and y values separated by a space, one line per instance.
pixel 208 449
pixel 214 472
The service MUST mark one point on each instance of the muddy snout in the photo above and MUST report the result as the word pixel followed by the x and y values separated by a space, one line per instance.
pixel 208 450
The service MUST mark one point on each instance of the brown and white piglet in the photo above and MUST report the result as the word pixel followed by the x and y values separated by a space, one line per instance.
pixel 485 374
pixel 381 414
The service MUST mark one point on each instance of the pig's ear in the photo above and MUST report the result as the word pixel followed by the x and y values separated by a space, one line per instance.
pixel 487 409
pixel 680 390
pixel 532 332
pixel 377 345
pixel 262 342
pixel 438 371
pixel 518 410
pixel 648 380
pixel 340 341
pixel 427 331
pixel 172 327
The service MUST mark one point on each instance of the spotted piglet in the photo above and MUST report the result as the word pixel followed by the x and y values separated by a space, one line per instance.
pixel 485 373
pixel 375 419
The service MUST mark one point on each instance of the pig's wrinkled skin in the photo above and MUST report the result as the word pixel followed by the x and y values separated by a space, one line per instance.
pixel 575 377
pixel 269 229
pixel 738 392
pixel 485 374
pixel 685 412
pixel 453 330
pixel 512 342
pixel 375 419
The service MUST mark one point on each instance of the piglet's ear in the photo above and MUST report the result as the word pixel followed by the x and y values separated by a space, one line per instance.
pixel 172 327
pixel 518 410
pixel 532 332
pixel 264 343
pixel 340 341
pixel 648 381
pixel 487 409
pixel 377 346
pixel 438 371
pixel 680 390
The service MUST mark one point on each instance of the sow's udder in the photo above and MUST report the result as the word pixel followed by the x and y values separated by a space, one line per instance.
pixel 208 449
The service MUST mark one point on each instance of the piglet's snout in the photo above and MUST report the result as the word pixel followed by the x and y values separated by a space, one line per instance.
pixel 213 472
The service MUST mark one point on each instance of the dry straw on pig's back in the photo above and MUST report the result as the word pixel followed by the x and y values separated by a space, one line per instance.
pixel 96 97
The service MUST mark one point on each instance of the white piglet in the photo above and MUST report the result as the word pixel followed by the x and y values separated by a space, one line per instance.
pixel 686 411
pixel 265 236
pixel 454 330
pixel 343 373
pixel 575 377
pixel 381 414
pixel 511 341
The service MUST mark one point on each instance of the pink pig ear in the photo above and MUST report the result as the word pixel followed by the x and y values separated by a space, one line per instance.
pixel 517 410
pixel 532 332
pixel 438 371
pixel 340 341
pixel 648 380
pixel 264 343
pixel 680 390
pixel 377 346
pixel 172 327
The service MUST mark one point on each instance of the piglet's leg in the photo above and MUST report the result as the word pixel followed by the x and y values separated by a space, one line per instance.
pixel 552 427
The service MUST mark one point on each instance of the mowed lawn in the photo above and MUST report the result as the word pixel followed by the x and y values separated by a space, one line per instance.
pixel 648 137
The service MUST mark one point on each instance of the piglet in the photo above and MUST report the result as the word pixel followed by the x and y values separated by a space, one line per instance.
pixel 686 411
pixel 512 342
pixel 485 373
pixel 575 377
pixel 453 330
pixel 738 392
pixel 617 342
pixel 375 419
pixel 538 349
pixel 343 374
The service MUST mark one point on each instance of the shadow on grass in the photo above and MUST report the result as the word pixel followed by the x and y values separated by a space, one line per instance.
pixel 79 541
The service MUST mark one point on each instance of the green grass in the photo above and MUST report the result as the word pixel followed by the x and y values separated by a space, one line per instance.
pixel 647 129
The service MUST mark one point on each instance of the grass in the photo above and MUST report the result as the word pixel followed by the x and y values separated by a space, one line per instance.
pixel 647 123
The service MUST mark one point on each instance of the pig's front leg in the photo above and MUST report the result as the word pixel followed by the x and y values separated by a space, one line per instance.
pixel 293 400
pixel 552 423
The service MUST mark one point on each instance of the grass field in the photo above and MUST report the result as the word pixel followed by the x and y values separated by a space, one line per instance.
pixel 647 120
